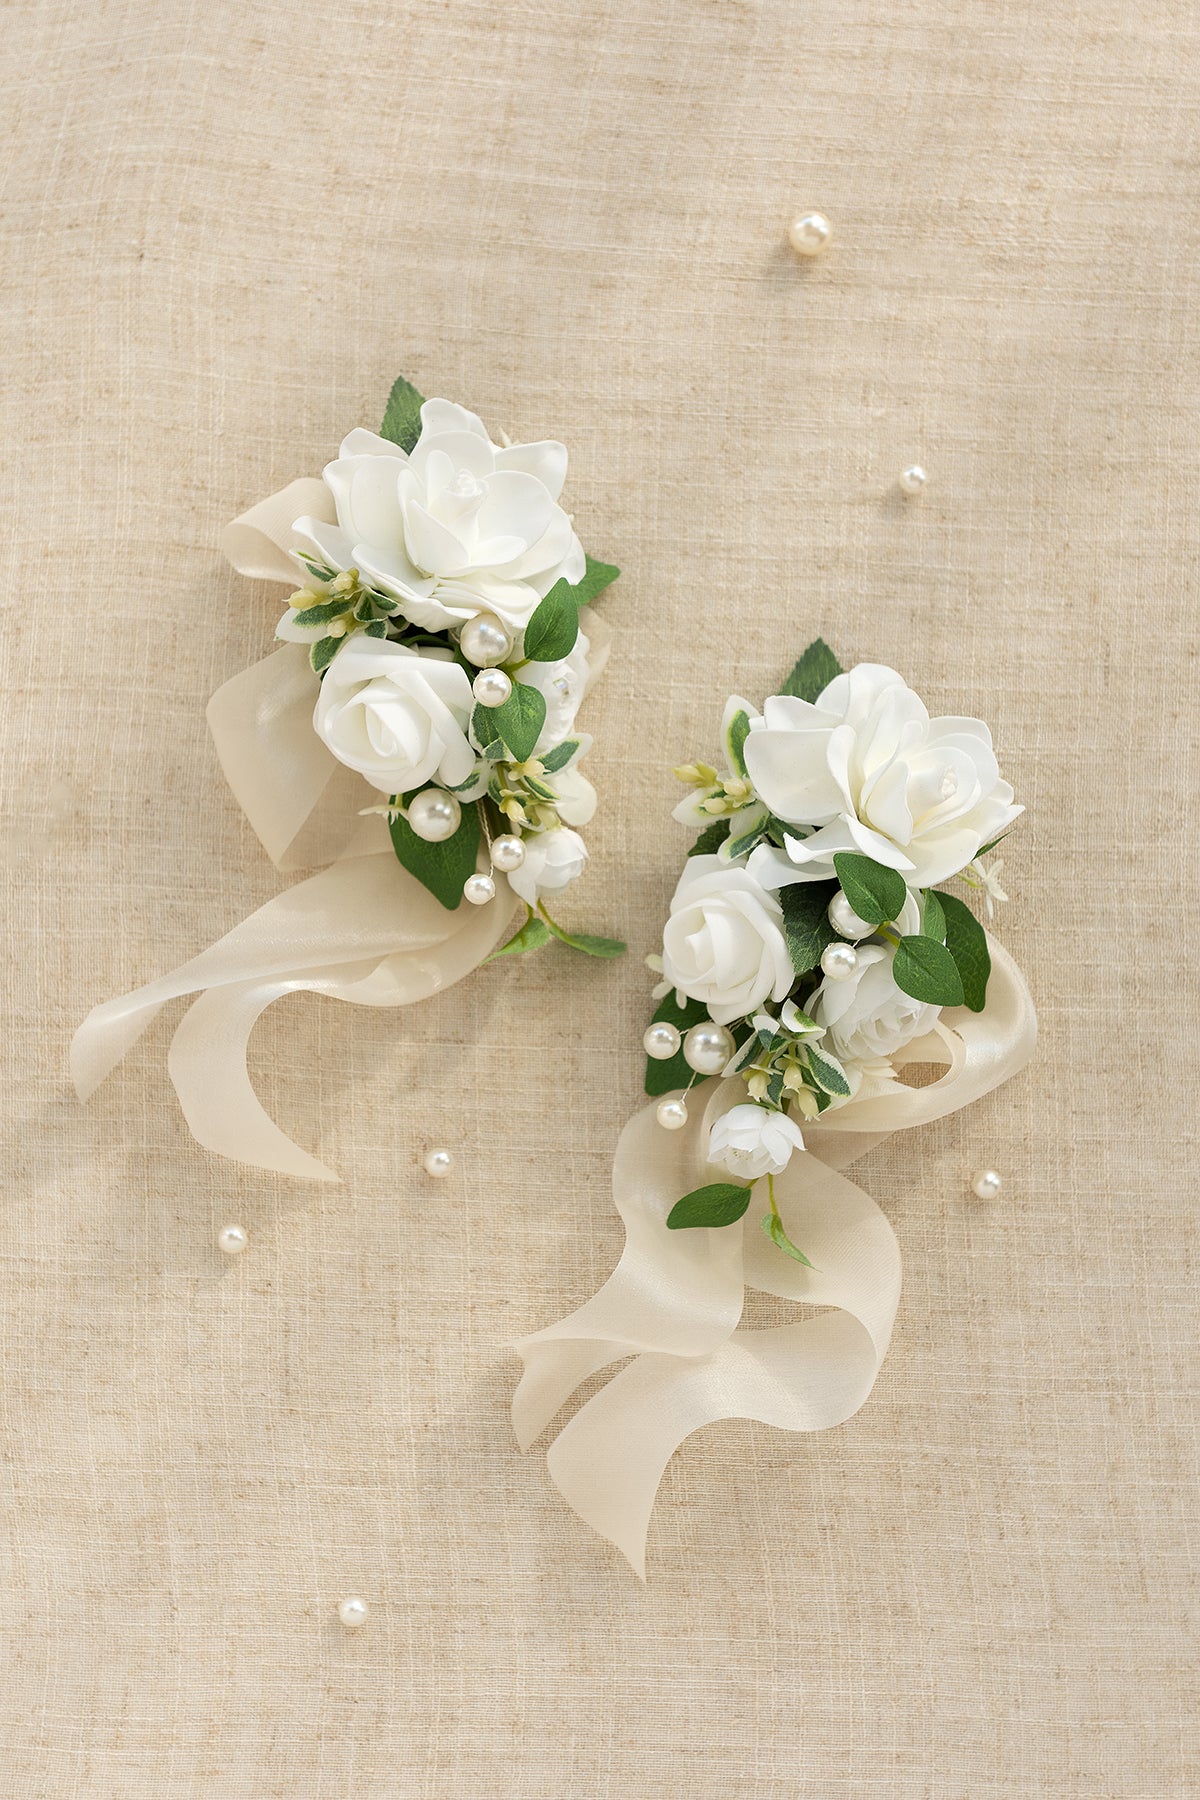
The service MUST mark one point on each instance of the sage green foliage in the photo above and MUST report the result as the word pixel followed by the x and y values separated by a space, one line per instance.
pixel 551 632
pixel 402 415
pixel 585 940
pixel 711 838
pixel 966 940
pixel 772 1224
pixel 813 672
pixel 534 933
pixel 442 868
pixel 722 1203
pixel 925 969
pixel 806 926
pixel 876 893
pixel 517 724
pixel 665 1077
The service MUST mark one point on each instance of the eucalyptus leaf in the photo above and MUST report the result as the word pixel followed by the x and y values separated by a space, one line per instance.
pixel 926 970
pixel 813 672
pixel 711 838
pixel 721 1203
pixel 442 868
pixel 533 934
pixel 551 632
pixel 402 415
pixel 966 940
pixel 517 724
pixel 806 924
pixel 876 893
pixel 773 1226
pixel 665 1077
pixel 933 919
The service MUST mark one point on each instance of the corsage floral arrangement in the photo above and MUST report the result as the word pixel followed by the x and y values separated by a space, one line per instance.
pixel 811 947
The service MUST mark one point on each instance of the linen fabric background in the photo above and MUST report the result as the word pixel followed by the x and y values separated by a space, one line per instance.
pixel 226 228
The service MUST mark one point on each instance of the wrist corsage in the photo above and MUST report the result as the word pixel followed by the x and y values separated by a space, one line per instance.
pixel 416 734
pixel 822 986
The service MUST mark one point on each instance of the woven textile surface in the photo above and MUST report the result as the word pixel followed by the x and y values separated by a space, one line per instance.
pixel 226 229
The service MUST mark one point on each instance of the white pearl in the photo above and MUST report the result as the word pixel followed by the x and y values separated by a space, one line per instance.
pixel 479 889
pixel 808 236
pixel 707 1048
pixel 484 641
pixel 491 687
pixel 434 815
pixel 352 1612
pixel 233 1239
pixel 438 1162
pixel 913 480
pixel 843 918
pixel 661 1041
pixel 672 1114
pixel 839 961
pixel 986 1184
pixel 508 853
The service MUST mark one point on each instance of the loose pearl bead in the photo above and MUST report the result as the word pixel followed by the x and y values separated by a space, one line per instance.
pixel 352 1612
pixel 508 853
pixel 913 480
pixel 707 1048
pixel 843 918
pixel 986 1184
pixel 434 815
pixel 233 1239
pixel 438 1162
pixel 484 641
pixel 672 1114
pixel 479 889
pixel 838 961
pixel 808 236
pixel 491 687
pixel 661 1041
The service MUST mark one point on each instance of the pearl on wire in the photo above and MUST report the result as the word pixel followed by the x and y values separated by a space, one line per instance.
pixel 491 687
pixel 233 1239
pixel 661 1041
pixel 352 1612
pixel 809 235
pixel 672 1115
pixel 986 1184
pixel 839 961
pixel 913 479
pixel 707 1048
pixel 438 1162
pixel 508 853
pixel 843 918
pixel 484 640
pixel 434 815
pixel 479 889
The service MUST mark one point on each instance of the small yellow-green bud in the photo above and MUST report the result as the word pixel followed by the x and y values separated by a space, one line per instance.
pixel 336 628
pixel 758 1083
pixel 345 583
pixel 806 1101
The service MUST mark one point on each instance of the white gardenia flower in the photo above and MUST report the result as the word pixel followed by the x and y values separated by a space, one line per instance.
pixel 866 1016
pixel 457 527
pixel 553 859
pixel 751 1141
pixel 398 716
pixel 868 768
pixel 723 942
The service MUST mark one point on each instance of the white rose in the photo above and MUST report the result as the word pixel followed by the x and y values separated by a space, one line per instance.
pixel 574 796
pixel 867 1016
pixel 723 942
pixel 553 859
pixel 868 767
pixel 752 1140
pixel 398 716
pixel 456 528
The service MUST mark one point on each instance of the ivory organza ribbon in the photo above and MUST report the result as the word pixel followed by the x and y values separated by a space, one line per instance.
pixel 362 929
pixel 675 1300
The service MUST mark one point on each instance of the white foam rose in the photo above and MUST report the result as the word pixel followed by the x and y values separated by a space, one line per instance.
pixel 458 527
pixel 867 1017
pixel 398 716
pixel 867 767
pixel 553 859
pixel 724 942
pixel 751 1141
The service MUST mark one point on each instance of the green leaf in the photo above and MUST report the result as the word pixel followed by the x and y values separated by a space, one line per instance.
pixel 551 632
pixel 966 940
pixel 711 838
pixel 402 415
pixel 665 1077
pixel 747 827
pixel 442 868
pixel 773 1226
pixel 598 576
pixel 532 935
pixel 376 629
pixel 933 919
pixel 735 738
pixel 806 922
pixel 323 652
pixel 827 1074
pixel 722 1203
pixel 517 724
pixel 813 672
pixel 926 970
pixel 987 848
pixel 558 758
pixel 587 941
pixel 320 615
pixel 876 893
